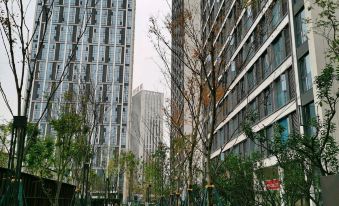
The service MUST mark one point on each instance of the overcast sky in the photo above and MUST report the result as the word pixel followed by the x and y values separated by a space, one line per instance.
pixel 146 71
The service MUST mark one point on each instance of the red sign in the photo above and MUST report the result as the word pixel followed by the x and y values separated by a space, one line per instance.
pixel 273 184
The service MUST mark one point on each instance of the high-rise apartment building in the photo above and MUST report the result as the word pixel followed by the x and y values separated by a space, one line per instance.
pixel 185 21
pixel 181 44
pixel 146 122
pixel 271 58
pixel 177 66
pixel 93 41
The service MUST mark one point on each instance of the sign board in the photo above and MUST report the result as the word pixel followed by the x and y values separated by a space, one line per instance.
pixel 273 184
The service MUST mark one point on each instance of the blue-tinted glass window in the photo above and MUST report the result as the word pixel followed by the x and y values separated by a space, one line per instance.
pixel 280 91
pixel 284 124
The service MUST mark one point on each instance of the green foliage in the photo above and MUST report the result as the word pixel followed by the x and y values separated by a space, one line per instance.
pixel 97 182
pixel 70 142
pixel 32 131
pixel 156 172
pixel 113 167
pixel 60 156
pixel 57 152
pixel 240 181
pixel 233 179
pixel 5 132
pixel 39 157
pixel 128 161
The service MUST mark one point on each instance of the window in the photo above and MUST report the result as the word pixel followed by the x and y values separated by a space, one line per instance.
pixel 265 64
pixel 233 70
pixel 283 123
pixel 305 73
pixel 249 15
pixel 278 49
pixel 300 28
pixel 263 30
pixel 280 91
pixel 268 101
pixel 231 129
pixel 276 13
pixel 309 116
pixel 253 110
pixel 287 40
pixel 242 89
pixel 269 137
pixel 236 124
pixel 251 79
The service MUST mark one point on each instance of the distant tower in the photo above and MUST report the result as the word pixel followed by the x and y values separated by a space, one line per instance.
pixel 146 121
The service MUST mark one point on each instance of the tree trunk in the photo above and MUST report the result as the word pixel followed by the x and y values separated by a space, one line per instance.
pixel 209 187
pixel 126 187
pixel 190 180
pixel 57 195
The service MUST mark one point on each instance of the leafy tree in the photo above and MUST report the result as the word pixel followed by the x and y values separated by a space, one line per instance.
pixel 59 156
pixel 129 164
pixel 97 183
pixel 39 157
pixel 156 174
pixel 68 146
pixel 233 179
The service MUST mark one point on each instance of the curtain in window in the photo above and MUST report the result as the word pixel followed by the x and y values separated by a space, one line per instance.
pixel 300 28
pixel 306 74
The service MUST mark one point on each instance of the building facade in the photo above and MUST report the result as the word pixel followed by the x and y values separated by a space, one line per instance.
pixel 177 66
pixel 183 45
pixel 271 58
pixel 146 122
pixel 88 44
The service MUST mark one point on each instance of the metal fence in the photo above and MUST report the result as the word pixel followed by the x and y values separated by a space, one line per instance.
pixel 33 190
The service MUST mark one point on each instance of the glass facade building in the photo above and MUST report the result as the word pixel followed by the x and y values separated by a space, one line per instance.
pixel 268 68
pixel 89 44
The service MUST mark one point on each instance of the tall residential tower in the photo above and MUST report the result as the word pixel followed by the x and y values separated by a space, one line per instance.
pixel 92 42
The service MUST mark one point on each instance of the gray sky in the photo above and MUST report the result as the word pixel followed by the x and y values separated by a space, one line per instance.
pixel 146 71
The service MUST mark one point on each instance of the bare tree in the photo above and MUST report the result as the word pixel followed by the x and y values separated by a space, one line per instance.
pixel 201 91
pixel 205 74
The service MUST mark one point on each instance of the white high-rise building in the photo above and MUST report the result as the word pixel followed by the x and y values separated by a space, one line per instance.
pixel 146 122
